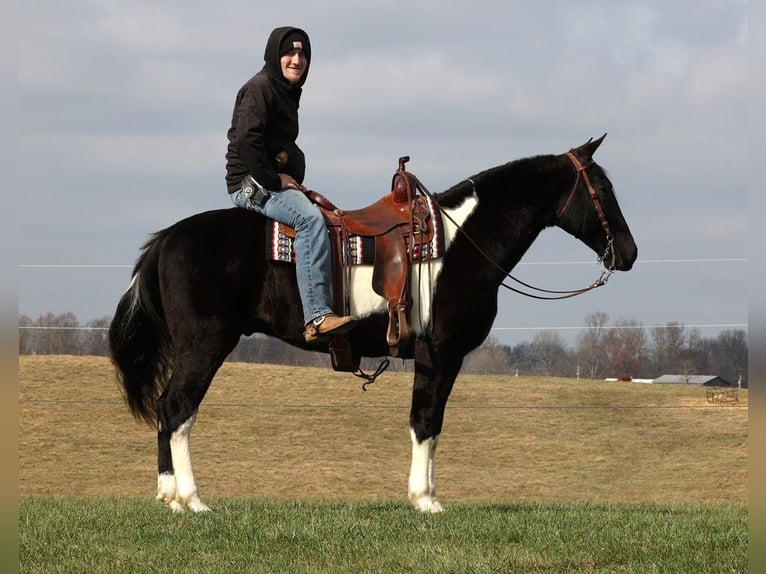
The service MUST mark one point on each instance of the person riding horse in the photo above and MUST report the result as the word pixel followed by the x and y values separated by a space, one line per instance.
pixel 211 272
pixel 265 170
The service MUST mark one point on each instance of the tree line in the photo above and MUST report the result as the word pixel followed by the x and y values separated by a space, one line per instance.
pixel 623 348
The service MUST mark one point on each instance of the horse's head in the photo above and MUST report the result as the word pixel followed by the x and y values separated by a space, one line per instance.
pixel 590 212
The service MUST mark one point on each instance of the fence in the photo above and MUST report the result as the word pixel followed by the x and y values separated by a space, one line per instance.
pixel 722 396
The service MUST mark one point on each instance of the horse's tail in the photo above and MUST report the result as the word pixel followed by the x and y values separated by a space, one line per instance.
pixel 140 345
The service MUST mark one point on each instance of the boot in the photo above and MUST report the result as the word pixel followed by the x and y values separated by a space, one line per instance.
pixel 326 326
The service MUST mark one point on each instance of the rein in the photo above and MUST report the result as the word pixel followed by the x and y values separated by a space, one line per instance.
pixel 606 271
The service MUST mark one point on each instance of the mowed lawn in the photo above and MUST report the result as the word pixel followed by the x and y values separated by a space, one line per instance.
pixel 542 475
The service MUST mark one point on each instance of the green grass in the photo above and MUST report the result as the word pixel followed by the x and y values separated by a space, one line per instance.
pixel 72 534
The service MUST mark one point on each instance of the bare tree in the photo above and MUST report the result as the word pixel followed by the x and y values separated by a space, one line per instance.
pixel 94 338
pixel 729 355
pixel 590 348
pixel 625 347
pixel 668 344
pixel 548 353
pixel 490 358
pixel 56 334
pixel 26 336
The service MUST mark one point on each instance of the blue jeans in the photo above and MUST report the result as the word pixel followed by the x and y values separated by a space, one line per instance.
pixel 312 245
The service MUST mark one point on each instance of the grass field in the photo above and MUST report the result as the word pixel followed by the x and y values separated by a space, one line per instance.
pixel 307 473
pixel 119 535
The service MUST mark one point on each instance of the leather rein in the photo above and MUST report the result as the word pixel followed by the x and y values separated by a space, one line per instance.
pixel 609 254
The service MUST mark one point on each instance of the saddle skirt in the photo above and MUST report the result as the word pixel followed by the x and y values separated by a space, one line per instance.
pixel 360 249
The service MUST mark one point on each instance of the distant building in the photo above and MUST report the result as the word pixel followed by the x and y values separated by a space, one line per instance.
pixel 627 380
pixel 702 380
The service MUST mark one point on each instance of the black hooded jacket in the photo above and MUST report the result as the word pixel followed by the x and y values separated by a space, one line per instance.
pixel 265 121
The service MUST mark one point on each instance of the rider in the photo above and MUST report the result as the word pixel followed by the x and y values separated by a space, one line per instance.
pixel 265 170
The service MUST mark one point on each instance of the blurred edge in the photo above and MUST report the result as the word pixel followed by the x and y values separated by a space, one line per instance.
pixel 9 111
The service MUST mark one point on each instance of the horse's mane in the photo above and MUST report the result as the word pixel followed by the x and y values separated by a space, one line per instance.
pixel 512 174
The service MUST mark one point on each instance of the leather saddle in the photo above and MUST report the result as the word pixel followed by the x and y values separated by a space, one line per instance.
pixel 401 228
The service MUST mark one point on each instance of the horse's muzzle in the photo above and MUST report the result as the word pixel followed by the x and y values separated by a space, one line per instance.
pixel 627 253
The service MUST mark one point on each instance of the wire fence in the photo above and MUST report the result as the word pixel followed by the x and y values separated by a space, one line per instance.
pixel 488 406
pixel 709 260
pixel 324 406
pixel 742 326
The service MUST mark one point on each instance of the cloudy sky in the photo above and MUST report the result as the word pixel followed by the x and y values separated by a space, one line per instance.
pixel 124 106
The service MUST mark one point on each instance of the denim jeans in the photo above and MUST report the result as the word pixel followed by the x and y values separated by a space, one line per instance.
pixel 312 245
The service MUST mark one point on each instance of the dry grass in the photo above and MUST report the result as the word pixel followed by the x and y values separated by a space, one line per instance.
pixel 272 431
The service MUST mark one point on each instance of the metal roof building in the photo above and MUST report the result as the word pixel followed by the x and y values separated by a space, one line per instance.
pixel 703 380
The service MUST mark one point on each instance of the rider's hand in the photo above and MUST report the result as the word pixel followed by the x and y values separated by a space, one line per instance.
pixel 288 182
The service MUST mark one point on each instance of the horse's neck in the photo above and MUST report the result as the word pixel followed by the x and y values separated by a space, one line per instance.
pixel 510 213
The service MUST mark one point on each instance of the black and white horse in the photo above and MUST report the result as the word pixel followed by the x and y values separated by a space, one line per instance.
pixel 204 281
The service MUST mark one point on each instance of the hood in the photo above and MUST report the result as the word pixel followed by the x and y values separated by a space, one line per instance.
pixel 271 54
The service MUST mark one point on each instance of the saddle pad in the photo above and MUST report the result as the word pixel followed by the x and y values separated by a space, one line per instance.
pixel 360 249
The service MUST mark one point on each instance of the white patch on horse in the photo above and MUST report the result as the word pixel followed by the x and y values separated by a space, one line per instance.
pixel 422 484
pixel 364 301
pixel 186 487
pixel 166 491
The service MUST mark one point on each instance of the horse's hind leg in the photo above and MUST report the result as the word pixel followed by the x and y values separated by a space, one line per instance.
pixel 166 479
pixel 176 485
pixel 177 411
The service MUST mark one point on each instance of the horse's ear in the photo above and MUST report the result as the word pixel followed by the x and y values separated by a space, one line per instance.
pixel 586 150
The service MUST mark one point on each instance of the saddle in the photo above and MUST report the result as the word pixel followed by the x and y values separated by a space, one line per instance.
pixel 401 228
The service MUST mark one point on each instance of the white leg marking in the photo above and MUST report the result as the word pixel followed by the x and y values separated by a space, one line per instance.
pixel 166 491
pixel 186 487
pixel 422 485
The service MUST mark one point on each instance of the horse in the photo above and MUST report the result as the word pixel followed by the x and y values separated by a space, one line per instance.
pixel 203 282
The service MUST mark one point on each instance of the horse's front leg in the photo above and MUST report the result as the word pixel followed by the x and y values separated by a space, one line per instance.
pixel 434 376
pixel 422 483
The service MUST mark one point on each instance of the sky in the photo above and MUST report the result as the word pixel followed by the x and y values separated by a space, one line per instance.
pixel 123 108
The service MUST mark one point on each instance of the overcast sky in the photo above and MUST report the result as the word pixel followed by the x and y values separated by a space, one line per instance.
pixel 124 107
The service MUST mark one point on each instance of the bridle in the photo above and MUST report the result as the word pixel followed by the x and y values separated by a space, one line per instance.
pixel 609 254
pixel 582 172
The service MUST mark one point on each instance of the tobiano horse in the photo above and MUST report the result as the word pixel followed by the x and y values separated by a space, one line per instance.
pixel 201 283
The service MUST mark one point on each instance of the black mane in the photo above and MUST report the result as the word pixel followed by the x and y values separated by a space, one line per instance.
pixel 516 177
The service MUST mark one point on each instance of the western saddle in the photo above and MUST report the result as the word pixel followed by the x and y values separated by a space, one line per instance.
pixel 403 227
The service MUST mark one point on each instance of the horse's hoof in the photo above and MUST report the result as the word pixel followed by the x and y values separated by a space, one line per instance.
pixel 176 507
pixel 166 487
pixel 428 504
pixel 196 505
